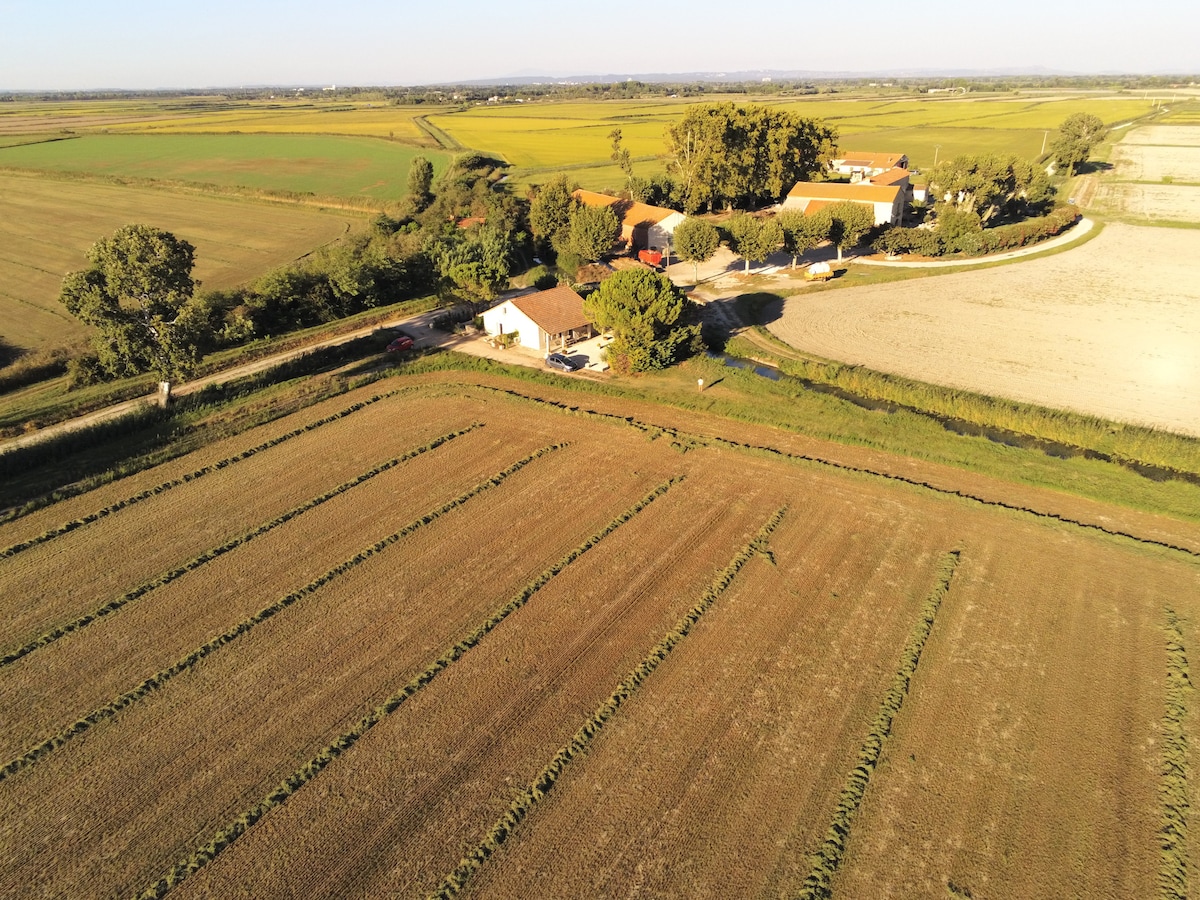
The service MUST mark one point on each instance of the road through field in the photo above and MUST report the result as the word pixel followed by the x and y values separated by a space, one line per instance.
pixel 1109 329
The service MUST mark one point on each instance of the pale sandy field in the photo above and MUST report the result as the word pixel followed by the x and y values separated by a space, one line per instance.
pixel 1151 154
pixel 1164 136
pixel 1111 328
pixel 1145 162
pixel 1164 202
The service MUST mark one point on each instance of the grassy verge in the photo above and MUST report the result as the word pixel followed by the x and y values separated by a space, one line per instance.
pixel 235 829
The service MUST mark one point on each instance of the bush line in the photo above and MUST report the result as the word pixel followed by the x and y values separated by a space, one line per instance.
pixel 686 439
pixel 1173 789
pixel 60 530
pixel 156 681
pixel 454 882
pixel 828 858
pixel 209 555
pixel 290 785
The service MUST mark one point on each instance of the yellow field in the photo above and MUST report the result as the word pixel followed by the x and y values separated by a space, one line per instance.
pixel 46 227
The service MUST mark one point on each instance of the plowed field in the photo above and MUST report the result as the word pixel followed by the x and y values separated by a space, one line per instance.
pixel 348 660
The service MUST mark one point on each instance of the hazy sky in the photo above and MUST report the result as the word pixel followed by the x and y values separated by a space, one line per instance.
pixel 64 44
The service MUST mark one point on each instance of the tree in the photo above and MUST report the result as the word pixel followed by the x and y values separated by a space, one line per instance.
pixel 991 186
pixel 550 215
pixel 139 283
pixel 1077 137
pixel 696 241
pixel 851 222
pixel 477 261
pixel 594 230
pixel 621 156
pixel 420 182
pixel 651 321
pixel 754 238
pixel 959 229
pixel 743 155
pixel 803 232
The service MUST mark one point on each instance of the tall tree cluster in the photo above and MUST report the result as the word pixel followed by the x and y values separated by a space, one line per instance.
pixel 743 156
pixel 1077 137
pixel 991 186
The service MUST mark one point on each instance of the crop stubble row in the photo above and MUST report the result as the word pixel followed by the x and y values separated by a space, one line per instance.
pixel 1027 761
pixel 721 776
pixel 46 583
pixel 258 708
pixel 421 790
pixel 42 692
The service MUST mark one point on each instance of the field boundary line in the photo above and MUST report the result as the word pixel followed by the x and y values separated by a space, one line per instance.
pixel 156 681
pixel 239 826
pixel 827 860
pixel 537 790
pixel 1173 787
pixel 165 486
pixel 165 578
pixel 703 440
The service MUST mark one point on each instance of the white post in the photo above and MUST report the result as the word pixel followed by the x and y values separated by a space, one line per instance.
pixel 700 384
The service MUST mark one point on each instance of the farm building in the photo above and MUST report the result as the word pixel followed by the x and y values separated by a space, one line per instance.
pixel 547 320
pixel 886 200
pixel 866 164
pixel 642 225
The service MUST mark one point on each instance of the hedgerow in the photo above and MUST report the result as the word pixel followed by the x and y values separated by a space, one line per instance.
pixel 530 796
pixel 828 858
pixel 156 681
pixel 60 631
pixel 239 826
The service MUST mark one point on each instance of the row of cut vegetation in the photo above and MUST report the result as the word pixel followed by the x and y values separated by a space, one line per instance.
pixel 232 544
pixel 230 833
pixel 1173 790
pixel 825 862
pixel 453 884
pixel 156 681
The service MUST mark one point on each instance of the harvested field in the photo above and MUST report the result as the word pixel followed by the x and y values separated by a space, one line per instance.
pixel 47 226
pixel 1142 162
pixel 1164 136
pixel 1163 202
pixel 723 774
pixel 353 701
pixel 1028 761
pixel 1097 329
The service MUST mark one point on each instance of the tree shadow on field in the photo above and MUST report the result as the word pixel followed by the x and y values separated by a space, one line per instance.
pixel 1093 167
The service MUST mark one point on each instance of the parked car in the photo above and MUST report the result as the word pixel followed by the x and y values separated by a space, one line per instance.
pixel 560 362
pixel 402 342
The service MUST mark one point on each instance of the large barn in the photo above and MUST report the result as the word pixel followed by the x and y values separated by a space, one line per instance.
pixel 642 225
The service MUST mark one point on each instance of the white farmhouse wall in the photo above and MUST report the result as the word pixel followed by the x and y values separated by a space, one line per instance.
pixel 506 318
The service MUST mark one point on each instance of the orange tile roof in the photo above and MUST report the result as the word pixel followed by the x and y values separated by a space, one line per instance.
pixel 865 158
pixel 836 190
pixel 629 212
pixel 554 311
pixel 891 176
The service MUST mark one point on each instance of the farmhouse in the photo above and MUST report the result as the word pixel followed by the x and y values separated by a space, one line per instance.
pixel 866 164
pixel 642 225
pixel 546 320
pixel 886 200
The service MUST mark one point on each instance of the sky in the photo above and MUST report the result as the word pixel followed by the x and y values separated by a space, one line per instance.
pixel 140 45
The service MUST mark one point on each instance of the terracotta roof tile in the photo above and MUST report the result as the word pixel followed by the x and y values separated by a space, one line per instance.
pixel 628 212
pixel 836 190
pixel 555 311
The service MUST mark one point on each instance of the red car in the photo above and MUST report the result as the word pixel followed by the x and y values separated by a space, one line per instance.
pixel 404 342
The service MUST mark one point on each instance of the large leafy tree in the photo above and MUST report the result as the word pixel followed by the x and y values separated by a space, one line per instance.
pixel 593 231
pixel 801 233
pixel 550 215
pixel 652 322
pixel 991 186
pixel 743 155
pixel 477 261
pixel 850 224
pixel 696 241
pixel 134 293
pixel 1077 137
pixel 754 238
pixel 420 182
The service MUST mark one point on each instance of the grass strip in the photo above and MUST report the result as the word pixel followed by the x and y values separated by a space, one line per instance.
pixel 1173 789
pixel 66 527
pixel 318 763
pixel 683 441
pixel 530 796
pixel 60 631
pixel 825 862
pixel 156 681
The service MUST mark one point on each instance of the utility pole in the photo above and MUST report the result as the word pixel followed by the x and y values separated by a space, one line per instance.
pixel 1045 134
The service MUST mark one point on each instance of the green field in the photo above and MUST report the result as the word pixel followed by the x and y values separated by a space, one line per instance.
pixel 325 165
pixel 47 225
